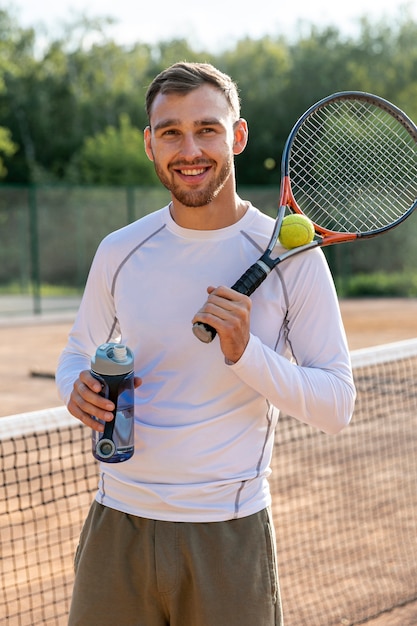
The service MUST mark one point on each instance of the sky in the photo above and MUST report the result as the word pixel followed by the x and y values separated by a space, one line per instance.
pixel 213 25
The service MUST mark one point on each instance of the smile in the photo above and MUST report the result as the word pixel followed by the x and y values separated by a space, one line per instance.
pixel 193 172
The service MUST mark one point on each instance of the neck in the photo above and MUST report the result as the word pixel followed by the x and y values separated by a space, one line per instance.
pixel 211 216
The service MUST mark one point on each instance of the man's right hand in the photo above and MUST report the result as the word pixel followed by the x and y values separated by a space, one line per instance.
pixel 85 401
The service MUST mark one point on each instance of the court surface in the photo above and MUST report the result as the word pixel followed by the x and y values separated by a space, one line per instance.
pixel 29 349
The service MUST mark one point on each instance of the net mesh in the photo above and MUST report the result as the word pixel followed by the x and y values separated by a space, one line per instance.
pixel 353 165
pixel 47 484
pixel 344 507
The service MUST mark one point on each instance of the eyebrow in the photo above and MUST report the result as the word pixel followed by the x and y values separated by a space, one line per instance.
pixel 211 121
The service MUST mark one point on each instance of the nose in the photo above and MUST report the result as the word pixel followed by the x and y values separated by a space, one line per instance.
pixel 190 148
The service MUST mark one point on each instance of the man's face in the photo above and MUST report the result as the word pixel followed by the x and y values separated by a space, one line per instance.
pixel 191 142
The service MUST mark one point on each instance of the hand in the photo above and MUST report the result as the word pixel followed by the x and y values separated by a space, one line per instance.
pixel 85 401
pixel 229 313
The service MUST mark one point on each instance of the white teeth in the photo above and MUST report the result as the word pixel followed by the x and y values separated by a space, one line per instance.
pixel 194 172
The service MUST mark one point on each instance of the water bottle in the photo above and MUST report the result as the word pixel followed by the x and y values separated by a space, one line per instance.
pixel 113 366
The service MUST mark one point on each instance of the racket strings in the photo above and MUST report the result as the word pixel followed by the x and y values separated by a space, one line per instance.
pixel 353 167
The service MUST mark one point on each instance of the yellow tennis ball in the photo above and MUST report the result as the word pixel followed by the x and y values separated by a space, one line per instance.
pixel 296 230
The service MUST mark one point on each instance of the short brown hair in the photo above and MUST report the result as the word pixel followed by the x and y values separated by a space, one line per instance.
pixel 183 77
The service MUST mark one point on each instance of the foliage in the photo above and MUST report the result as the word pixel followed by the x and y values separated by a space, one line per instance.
pixel 56 98
pixel 7 147
pixel 379 284
pixel 72 110
pixel 113 157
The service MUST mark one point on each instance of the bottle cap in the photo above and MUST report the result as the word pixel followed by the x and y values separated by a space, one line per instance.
pixel 112 359
pixel 120 353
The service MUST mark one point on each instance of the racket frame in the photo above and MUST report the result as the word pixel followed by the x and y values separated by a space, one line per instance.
pixel 286 195
pixel 257 273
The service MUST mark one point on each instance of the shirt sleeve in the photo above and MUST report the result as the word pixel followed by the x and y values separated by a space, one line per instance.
pixel 96 323
pixel 316 385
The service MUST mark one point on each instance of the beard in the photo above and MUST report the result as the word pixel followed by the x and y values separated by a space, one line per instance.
pixel 195 197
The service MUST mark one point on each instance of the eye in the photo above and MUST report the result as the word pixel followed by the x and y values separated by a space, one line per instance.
pixel 207 131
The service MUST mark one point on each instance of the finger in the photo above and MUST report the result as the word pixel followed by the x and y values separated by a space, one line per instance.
pixel 226 293
pixel 87 396
pixel 223 303
pixel 86 418
pixel 89 381
pixel 85 402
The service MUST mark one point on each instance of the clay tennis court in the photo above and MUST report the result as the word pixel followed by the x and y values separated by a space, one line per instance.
pixel 29 351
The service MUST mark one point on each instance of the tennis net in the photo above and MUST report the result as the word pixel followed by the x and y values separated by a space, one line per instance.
pixel 345 507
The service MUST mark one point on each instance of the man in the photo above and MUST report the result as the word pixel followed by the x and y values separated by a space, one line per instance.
pixel 181 534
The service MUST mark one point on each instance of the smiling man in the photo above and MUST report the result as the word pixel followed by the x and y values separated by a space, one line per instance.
pixel 193 152
pixel 181 534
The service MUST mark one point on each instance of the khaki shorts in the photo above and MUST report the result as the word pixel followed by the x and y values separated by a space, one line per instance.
pixel 132 571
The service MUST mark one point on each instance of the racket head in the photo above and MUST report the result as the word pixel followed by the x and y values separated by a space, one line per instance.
pixel 350 165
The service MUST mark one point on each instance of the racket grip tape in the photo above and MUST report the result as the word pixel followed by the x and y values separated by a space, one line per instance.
pixel 252 278
pixel 246 285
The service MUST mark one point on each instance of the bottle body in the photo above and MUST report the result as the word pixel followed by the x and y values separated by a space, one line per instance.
pixel 112 365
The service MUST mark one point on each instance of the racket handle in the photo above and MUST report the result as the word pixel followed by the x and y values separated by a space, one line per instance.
pixel 204 332
pixel 252 278
pixel 246 285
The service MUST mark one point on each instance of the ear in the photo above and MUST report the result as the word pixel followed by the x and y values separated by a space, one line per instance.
pixel 240 136
pixel 147 134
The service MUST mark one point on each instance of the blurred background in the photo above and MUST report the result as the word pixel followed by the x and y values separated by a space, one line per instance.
pixel 72 83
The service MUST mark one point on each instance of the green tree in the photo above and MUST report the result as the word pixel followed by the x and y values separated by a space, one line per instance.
pixel 384 60
pixel 69 92
pixel 261 70
pixel 82 82
pixel 7 147
pixel 115 156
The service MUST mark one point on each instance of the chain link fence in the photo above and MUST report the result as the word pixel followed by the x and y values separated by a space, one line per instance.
pixel 49 234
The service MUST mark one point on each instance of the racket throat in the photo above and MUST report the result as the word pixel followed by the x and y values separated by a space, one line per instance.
pixel 263 268
pixel 266 263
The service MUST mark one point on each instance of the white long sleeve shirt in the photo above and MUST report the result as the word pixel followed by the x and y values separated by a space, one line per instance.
pixel 204 429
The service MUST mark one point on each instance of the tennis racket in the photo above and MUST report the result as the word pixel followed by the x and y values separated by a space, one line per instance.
pixel 350 165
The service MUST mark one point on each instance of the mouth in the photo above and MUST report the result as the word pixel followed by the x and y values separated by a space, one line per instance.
pixel 192 172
